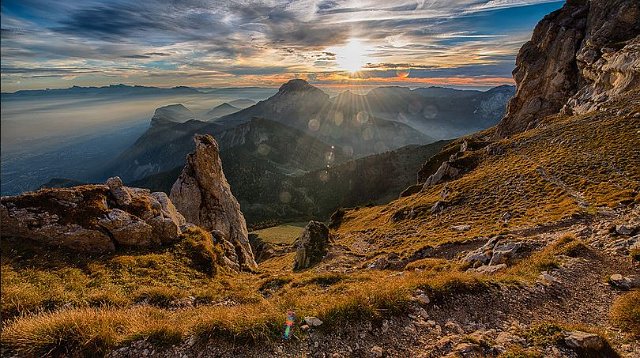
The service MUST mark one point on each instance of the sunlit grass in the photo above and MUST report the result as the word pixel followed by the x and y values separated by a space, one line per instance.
pixel 281 234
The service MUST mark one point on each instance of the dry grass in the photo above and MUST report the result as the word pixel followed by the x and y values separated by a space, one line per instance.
pixel 38 279
pixel 625 313
pixel 546 259
pixel 567 169
pixel 332 298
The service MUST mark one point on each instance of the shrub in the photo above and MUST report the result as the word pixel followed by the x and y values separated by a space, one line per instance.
pixel 625 313
pixel 204 254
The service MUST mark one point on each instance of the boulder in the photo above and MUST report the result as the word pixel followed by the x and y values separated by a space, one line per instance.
pixel 503 252
pixel 127 229
pixel 92 218
pixel 120 193
pixel 489 269
pixel 584 340
pixel 496 251
pixel 620 282
pixel 312 245
pixel 445 172
pixel 461 228
pixel 313 321
pixel 625 230
pixel 202 194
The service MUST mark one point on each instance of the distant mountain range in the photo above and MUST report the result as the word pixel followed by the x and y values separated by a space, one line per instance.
pixel 222 110
pixel 119 90
pixel 127 90
pixel 296 105
pixel 301 153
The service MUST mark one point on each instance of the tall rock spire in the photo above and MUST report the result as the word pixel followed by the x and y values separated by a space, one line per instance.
pixel 203 195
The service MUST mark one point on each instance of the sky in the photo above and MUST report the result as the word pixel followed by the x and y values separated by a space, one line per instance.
pixel 216 43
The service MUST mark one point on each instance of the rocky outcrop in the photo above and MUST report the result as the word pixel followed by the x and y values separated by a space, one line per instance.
pixel 580 56
pixel 202 194
pixel 312 245
pixel 444 173
pixel 497 253
pixel 92 218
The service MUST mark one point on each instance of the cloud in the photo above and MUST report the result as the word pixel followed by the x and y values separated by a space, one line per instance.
pixel 261 40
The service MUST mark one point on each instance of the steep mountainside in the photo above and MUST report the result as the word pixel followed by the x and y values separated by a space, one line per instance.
pixel 289 150
pixel 165 144
pixel 173 113
pixel 270 193
pixel 580 56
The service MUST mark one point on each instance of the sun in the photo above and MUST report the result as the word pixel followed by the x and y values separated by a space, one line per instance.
pixel 353 56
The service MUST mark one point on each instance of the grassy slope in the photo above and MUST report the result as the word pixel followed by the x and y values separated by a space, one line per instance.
pixel 94 304
pixel 570 166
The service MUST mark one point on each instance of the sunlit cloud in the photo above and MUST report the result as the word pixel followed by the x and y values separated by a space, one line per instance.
pixel 213 43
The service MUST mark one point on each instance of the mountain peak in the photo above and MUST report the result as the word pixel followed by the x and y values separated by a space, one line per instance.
pixel 177 113
pixel 296 85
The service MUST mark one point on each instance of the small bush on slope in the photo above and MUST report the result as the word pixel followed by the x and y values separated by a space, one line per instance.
pixel 625 313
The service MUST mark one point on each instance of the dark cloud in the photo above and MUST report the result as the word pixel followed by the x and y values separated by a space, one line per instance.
pixel 136 56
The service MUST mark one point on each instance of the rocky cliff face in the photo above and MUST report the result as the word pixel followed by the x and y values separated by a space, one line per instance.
pixel 202 194
pixel 579 57
pixel 92 218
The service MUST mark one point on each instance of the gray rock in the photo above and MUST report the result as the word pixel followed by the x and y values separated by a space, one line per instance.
pixel 503 252
pixel 127 229
pixel 119 191
pixel 445 172
pixel 478 258
pixel 546 277
pixel 461 228
pixel 202 194
pixel 490 269
pixel 625 230
pixel 377 351
pixel 584 340
pixel 312 245
pixel 423 298
pixel 312 321
pixel 580 56
pixel 621 282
